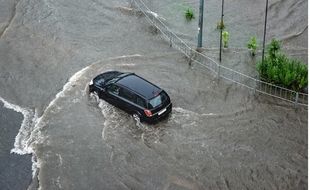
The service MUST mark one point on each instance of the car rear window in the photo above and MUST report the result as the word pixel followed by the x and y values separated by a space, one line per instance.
pixel 157 100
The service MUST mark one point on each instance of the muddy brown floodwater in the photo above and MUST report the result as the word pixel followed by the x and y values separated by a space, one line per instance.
pixel 218 136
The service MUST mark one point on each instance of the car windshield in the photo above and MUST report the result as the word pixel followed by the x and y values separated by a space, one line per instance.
pixel 100 82
pixel 116 78
pixel 158 100
pixel 112 80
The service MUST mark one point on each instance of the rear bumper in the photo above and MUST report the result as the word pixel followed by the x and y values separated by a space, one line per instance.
pixel 156 117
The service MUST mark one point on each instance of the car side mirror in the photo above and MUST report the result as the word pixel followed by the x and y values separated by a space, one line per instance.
pixel 102 89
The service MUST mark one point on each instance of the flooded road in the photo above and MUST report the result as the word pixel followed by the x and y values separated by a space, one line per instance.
pixel 243 19
pixel 89 143
pixel 219 135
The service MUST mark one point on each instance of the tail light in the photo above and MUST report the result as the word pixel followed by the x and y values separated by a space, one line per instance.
pixel 148 113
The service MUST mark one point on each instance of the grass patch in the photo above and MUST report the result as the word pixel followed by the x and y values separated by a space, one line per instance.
pixel 189 14
pixel 225 36
pixel 220 25
pixel 252 45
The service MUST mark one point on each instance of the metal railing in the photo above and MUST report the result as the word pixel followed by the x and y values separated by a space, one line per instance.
pixel 219 70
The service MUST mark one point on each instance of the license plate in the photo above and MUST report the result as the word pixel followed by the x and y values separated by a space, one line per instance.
pixel 162 111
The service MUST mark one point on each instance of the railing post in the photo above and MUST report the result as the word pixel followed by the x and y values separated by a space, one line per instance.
pixel 296 99
pixel 135 7
pixel 191 57
pixel 255 86
pixel 218 71
pixel 131 3
pixel 200 24
pixel 221 31
pixel 264 39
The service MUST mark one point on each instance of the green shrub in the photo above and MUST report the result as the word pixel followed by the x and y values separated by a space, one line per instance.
pixel 220 25
pixel 273 48
pixel 278 69
pixel 252 45
pixel 189 14
pixel 225 36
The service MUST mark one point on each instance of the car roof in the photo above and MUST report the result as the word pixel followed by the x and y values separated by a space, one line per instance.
pixel 139 85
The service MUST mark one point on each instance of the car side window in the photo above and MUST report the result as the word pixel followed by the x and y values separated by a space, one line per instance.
pixel 140 101
pixel 114 89
pixel 127 94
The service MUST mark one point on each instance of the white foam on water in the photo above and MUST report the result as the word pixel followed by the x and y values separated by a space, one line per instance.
pixel 112 116
pixel 127 64
pixel 182 110
pixel 60 159
pixel 188 112
pixel 109 113
pixel 35 165
pixel 21 143
pixel 103 132
pixel 29 132
pixel 139 124
pixel 40 122
pixel 184 117
pixel 67 87
pixel 126 8
pixel 208 114
pixel 127 56
pixel 34 133
pixel 58 182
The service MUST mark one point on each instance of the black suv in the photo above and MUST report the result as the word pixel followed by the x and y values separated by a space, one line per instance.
pixel 135 95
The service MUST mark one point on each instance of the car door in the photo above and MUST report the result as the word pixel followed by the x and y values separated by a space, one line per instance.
pixel 119 97
pixel 141 104
pixel 112 94
pixel 126 99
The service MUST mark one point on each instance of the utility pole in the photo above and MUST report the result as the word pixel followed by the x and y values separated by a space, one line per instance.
pixel 266 12
pixel 200 24
pixel 221 32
